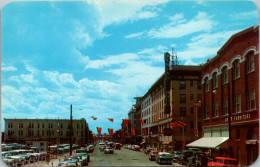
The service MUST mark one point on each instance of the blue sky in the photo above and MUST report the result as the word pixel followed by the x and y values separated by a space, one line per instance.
pixel 99 55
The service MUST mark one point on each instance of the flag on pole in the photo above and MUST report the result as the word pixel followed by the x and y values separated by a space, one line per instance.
pixel 133 132
pixel 142 121
pixel 111 119
pixel 99 130
pixel 94 118
pixel 126 122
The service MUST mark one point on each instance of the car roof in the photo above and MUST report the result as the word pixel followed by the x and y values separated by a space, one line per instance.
pixel 226 158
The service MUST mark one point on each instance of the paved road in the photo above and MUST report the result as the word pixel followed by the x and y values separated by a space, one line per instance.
pixel 123 157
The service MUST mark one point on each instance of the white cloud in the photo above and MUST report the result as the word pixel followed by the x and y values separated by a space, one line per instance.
pixel 200 22
pixel 134 35
pixel 8 68
pixel 205 45
pixel 244 15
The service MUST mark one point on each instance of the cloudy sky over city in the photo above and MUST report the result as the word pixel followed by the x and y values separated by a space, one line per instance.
pixel 99 55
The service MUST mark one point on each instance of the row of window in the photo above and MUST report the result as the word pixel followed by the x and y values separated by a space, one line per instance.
pixel 182 84
pixel 31 125
pixel 250 67
pixel 146 112
pixel 250 105
pixel 146 103
pixel 42 133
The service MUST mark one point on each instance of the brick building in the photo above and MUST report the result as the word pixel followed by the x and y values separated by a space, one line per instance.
pixel 185 90
pixel 231 85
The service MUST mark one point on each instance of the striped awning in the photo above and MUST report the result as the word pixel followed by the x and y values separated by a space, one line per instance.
pixel 208 142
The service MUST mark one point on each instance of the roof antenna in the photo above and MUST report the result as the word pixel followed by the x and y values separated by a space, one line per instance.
pixel 174 57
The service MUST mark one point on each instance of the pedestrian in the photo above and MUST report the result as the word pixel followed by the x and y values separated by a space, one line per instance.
pixel 47 158
pixel 204 160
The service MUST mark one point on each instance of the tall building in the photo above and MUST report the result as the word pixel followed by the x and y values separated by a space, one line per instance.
pixel 146 116
pixel 22 130
pixel 230 98
pixel 185 90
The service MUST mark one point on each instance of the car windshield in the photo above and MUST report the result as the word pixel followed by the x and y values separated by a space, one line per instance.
pixel 230 162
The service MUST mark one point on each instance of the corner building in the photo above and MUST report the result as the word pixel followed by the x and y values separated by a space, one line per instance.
pixel 230 84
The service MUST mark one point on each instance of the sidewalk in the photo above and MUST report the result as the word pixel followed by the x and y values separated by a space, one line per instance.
pixel 53 162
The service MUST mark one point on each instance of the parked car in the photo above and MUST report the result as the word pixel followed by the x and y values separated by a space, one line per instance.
pixel 7 159
pixel 68 163
pixel 152 155
pixel 223 161
pixel 90 148
pixel 148 150
pixel 163 158
pixel 176 156
pixel 83 160
pixel 136 148
pixel 84 155
pixel 118 146
pixel 109 150
pixel 184 156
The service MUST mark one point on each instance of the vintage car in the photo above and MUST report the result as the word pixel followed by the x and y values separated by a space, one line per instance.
pixel 84 155
pixel 148 150
pixel 27 158
pixel 176 156
pixel 136 148
pixel 83 159
pixel 6 157
pixel 185 154
pixel 163 158
pixel 90 148
pixel 109 150
pixel 69 163
pixel 118 146
pixel 223 161
pixel 152 155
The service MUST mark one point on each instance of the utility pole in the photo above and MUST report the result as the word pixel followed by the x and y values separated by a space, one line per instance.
pixel 71 129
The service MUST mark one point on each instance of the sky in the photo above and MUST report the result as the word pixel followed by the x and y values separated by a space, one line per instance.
pixel 99 55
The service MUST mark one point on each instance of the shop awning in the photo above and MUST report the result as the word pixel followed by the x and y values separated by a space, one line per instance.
pixel 165 142
pixel 208 142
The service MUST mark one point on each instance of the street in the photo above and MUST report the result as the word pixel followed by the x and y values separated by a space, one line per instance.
pixel 123 157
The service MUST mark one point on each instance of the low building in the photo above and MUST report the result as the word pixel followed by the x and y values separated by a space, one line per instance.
pixel 22 130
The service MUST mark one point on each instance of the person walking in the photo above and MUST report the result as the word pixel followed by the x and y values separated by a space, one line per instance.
pixel 47 158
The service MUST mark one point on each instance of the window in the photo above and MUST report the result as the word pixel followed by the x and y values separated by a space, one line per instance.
pixel 10 125
pixel 198 84
pixel 20 125
pixel 215 109
pixel 38 125
pixel 191 96
pixel 214 80
pixel 182 85
pixel 182 111
pixel 206 85
pixel 236 69
pixel 225 106
pixel 206 112
pixel 42 125
pixel 237 133
pixel 182 98
pixel 250 63
pixel 224 75
pixel 199 97
pixel 237 103
pixel 42 132
pixel 191 110
pixel 191 83
pixel 251 102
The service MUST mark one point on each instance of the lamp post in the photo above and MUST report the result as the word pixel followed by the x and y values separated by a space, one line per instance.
pixel 71 129
pixel 58 139
pixel 158 142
